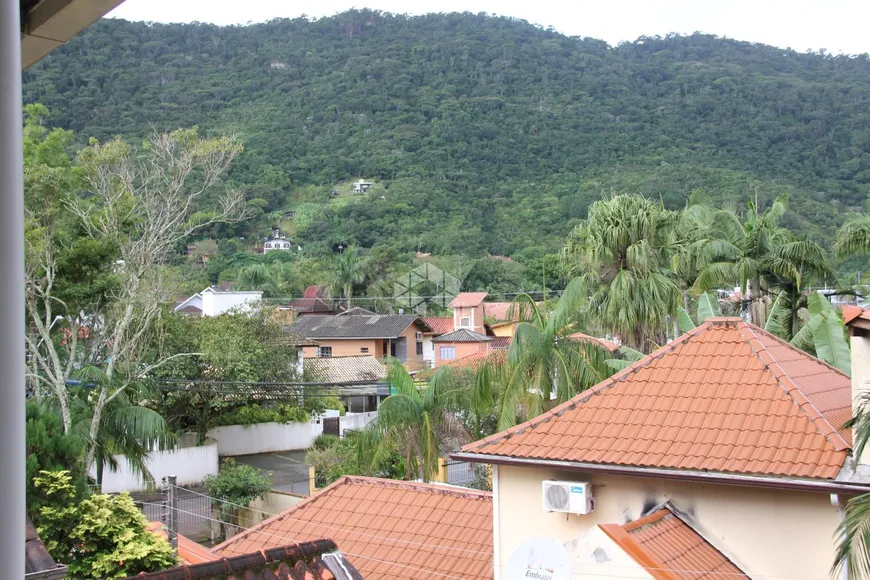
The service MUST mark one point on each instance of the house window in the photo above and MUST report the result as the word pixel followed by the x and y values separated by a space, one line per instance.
pixel 364 349
pixel 419 348
pixel 448 352
pixel 324 351
pixel 465 322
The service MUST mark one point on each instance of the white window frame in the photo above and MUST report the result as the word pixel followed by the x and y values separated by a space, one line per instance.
pixel 322 352
pixel 364 349
pixel 451 349
pixel 464 322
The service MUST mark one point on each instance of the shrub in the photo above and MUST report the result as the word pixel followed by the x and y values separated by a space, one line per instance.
pixel 254 414
pixel 320 404
pixel 234 487
pixel 103 536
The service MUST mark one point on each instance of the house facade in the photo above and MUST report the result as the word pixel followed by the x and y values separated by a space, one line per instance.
pixel 728 438
pixel 380 336
pixel 214 301
pixel 459 344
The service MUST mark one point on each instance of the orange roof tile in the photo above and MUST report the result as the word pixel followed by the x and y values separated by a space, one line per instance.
pixel 478 359
pixel 439 325
pixel 579 336
pixel 853 314
pixel 501 342
pixel 464 299
pixel 188 551
pixel 725 397
pixel 497 310
pixel 669 548
pixel 387 528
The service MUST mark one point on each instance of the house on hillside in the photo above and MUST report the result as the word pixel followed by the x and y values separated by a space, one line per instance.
pixel 314 301
pixel 217 300
pixel 388 335
pixel 459 344
pixel 389 529
pixel 362 186
pixel 366 377
pixel 723 453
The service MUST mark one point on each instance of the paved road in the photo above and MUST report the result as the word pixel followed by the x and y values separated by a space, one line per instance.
pixel 289 471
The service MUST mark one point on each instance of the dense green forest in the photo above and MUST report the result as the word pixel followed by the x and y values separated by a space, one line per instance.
pixel 484 134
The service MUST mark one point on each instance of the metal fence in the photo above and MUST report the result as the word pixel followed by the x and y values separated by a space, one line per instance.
pixel 194 511
pixel 465 474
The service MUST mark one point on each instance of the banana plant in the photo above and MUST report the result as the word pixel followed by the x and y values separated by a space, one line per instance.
pixel 708 307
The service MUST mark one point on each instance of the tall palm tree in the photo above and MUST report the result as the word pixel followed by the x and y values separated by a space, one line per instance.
pixel 853 533
pixel 259 277
pixel 545 366
pixel 412 424
pixel 622 254
pixel 347 270
pixel 853 237
pixel 762 257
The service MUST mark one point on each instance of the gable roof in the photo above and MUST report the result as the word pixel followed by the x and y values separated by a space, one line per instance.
pixel 316 326
pixel 315 560
pixel 603 343
pixel 725 397
pixel 340 369
pixel 468 299
pixel 462 335
pixel 669 548
pixel 389 529
pixel 439 325
pixel 855 316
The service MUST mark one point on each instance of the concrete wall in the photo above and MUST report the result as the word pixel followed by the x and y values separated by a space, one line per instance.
pixel 273 503
pixel 356 421
pixel 769 533
pixel 429 350
pixel 271 437
pixel 594 555
pixel 217 303
pixel 189 462
pixel 475 313
pixel 505 329
pixel 347 348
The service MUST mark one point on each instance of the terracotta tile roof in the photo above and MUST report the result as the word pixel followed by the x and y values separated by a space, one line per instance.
pixel 501 342
pixel 467 299
pixel 388 529
pixel 669 548
pixel 315 560
pixel 439 325
pixel 478 359
pixel 579 336
pixel 339 369
pixel 856 316
pixel 462 335
pixel 724 397
pixel 189 552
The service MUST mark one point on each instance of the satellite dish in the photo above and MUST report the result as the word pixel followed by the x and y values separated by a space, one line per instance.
pixel 539 558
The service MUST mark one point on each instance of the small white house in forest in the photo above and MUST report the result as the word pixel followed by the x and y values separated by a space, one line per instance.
pixel 217 300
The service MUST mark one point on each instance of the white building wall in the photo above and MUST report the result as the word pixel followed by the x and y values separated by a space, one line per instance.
pixel 356 421
pixel 217 303
pixel 189 463
pixel 428 350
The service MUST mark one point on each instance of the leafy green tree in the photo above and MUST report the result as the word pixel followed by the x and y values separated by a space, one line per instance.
pixel 50 449
pixel 853 237
pixel 233 489
pixel 622 256
pixel 758 254
pixel 102 536
pixel 411 424
pixel 545 365
pixel 348 269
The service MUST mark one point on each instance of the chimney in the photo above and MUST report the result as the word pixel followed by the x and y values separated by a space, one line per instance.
pixel 858 322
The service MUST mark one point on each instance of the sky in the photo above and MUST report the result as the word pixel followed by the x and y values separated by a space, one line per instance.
pixel 838 26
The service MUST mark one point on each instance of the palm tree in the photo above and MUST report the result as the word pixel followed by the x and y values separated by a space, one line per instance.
pixel 126 429
pixel 623 254
pixel 347 270
pixel 853 237
pixel 259 277
pixel 412 424
pixel 853 533
pixel 544 364
pixel 761 256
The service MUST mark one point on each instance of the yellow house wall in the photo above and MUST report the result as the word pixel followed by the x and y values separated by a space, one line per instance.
pixel 504 329
pixel 769 533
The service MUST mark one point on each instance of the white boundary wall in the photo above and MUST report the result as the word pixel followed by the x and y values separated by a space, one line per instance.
pixel 189 462
pixel 357 421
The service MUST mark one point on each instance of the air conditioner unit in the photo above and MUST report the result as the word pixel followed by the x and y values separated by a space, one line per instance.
pixel 573 497
pixel 419 336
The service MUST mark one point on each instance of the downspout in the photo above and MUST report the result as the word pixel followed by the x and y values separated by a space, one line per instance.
pixel 835 501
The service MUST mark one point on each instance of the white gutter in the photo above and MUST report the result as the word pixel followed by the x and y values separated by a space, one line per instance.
pixel 791 483
pixel 496 536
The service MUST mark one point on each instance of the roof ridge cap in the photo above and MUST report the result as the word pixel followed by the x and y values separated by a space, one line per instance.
pixel 604 385
pixel 420 486
pixel 831 434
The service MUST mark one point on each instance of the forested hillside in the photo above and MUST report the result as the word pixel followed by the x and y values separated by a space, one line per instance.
pixel 484 134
